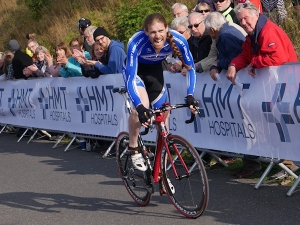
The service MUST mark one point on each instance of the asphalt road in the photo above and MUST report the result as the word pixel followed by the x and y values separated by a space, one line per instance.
pixel 41 185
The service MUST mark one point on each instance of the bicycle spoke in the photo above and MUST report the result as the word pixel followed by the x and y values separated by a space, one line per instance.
pixel 133 179
pixel 189 186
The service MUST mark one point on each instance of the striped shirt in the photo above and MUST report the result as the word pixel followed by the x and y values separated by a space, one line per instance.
pixel 269 5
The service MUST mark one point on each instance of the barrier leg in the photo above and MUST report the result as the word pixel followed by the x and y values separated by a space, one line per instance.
pixel 23 135
pixel 3 128
pixel 68 146
pixel 261 179
pixel 218 159
pixel 59 140
pixel 288 170
pixel 32 136
pixel 291 190
pixel 109 149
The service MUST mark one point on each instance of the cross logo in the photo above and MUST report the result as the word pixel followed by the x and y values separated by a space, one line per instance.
pixel 82 105
pixel 12 103
pixel 44 103
pixel 283 108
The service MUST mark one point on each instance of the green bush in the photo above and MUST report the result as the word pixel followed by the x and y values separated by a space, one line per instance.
pixel 130 16
pixel 36 7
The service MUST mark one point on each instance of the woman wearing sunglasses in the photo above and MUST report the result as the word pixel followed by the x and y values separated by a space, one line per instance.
pixel 203 8
pixel 210 4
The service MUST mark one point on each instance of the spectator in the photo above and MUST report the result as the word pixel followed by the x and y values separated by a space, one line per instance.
pixel 115 52
pixel 88 35
pixel 257 3
pixel 20 61
pixel 274 6
pixel 40 68
pixel 62 52
pixel 223 6
pixel 179 9
pixel 229 41
pixel 205 64
pixel 99 56
pixel 201 42
pixel 29 36
pixel 73 68
pixel 84 23
pixel 203 8
pixel 32 45
pixel 210 3
pixel 180 24
pixel 7 65
pixel 266 45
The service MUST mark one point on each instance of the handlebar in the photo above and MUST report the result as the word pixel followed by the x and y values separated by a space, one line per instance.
pixel 168 107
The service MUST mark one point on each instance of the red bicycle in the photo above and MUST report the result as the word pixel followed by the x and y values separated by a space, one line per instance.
pixel 176 166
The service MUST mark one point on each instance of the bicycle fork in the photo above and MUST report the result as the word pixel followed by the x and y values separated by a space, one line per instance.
pixel 169 143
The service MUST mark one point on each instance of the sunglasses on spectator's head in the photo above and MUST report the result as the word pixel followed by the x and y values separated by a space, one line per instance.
pixel 215 1
pixel 195 25
pixel 203 10
pixel 245 5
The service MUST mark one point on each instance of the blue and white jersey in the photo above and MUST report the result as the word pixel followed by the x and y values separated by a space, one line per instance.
pixel 140 50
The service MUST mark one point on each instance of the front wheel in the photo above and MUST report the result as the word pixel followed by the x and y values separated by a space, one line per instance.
pixel 133 179
pixel 184 177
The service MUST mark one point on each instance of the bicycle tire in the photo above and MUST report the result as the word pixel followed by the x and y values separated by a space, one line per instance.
pixel 189 193
pixel 133 179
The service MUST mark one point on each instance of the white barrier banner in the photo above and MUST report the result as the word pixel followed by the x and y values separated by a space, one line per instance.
pixel 257 116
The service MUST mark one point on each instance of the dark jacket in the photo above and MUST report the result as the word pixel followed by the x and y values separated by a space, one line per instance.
pixel 199 47
pixel 20 61
pixel 229 45
pixel 91 71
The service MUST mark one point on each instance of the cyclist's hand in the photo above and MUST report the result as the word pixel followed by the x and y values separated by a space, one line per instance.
pixel 193 104
pixel 144 115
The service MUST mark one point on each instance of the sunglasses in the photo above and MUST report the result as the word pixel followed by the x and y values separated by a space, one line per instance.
pixel 195 25
pixel 182 32
pixel 215 1
pixel 201 11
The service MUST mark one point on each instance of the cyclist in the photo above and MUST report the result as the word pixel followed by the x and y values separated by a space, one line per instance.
pixel 143 74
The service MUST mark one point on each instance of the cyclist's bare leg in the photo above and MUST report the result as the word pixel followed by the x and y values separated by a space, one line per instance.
pixel 133 121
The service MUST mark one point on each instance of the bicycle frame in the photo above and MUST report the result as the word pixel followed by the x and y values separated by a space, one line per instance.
pixel 162 142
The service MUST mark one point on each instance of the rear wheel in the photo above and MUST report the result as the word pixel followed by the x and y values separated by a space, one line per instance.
pixel 134 180
pixel 188 189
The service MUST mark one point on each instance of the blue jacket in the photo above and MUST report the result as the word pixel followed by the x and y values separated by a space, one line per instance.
pixel 73 68
pixel 229 45
pixel 115 57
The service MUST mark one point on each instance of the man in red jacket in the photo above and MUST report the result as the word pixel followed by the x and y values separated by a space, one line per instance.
pixel 266 44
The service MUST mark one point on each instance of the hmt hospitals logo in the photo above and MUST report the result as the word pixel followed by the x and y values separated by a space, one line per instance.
pixel 96 104
pixel 268 109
